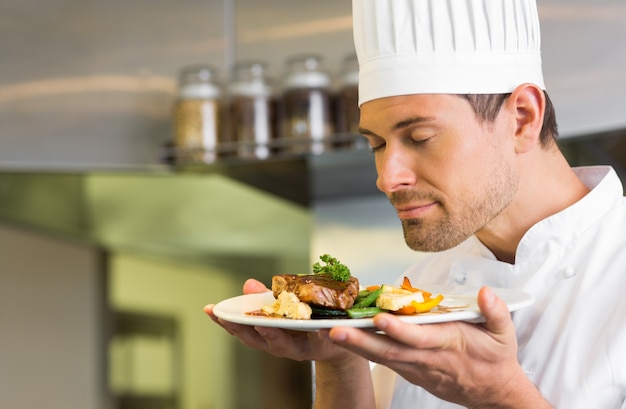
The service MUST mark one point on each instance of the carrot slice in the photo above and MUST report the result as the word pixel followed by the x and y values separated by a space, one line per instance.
pixel 418 307
pixel 406 285
pixel 406 310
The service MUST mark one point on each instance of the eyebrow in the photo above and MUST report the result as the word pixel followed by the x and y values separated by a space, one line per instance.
pixel 401 125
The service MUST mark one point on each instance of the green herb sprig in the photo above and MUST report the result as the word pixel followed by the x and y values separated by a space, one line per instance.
pixel 337 270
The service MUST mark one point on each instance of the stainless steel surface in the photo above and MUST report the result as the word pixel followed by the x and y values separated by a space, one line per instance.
pixel 192 216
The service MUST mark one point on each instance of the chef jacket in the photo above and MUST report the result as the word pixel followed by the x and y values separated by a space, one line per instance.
pixel 572 340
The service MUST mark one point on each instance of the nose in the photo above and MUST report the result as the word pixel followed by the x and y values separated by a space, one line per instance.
pixel 394 171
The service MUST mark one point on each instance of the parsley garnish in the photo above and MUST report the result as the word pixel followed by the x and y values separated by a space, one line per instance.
pixel 337 271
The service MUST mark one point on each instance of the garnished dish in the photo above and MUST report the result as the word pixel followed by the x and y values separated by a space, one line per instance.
pixel 330 296
pixel 332 292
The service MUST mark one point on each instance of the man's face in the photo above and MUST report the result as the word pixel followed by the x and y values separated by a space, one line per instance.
pixel 446 174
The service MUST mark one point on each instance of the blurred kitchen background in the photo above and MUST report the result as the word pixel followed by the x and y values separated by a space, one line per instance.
pixel 111 244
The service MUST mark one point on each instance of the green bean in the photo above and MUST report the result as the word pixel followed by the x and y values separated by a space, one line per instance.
pixel 369 300
pixel 362 294
pixel 363 312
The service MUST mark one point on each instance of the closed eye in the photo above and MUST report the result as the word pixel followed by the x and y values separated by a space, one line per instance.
pixel 375 142
pixel 377 148
pixel 419 141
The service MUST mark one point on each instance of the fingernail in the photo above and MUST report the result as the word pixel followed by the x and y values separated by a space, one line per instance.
pixel 381 322
pixel 338 335
pixel 490 296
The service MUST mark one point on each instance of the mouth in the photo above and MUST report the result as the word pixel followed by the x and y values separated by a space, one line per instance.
pixel 414 211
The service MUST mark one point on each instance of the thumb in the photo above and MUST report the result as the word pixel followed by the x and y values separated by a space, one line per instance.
pixel 254 286
pixel 496 313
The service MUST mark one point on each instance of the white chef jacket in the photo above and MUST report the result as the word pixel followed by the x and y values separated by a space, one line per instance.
pixel 572 340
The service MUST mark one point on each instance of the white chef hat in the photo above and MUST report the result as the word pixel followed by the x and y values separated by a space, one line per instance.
pixel 445 46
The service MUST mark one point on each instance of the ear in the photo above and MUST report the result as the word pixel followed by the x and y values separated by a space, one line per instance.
pixel 529 104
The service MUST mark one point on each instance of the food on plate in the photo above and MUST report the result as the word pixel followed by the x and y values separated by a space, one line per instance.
pixel 288 305
pixel 406 300
pixel 318 290
pixel 332 292
pixel 393 299
pixel 403 300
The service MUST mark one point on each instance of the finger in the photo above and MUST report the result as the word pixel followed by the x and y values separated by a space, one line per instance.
pixel 208 310
pixel 252 286
pixel 247 334
pixel 283 342
pixel 370 345
pixel 272 340
pixel 417 336
pixel 496 313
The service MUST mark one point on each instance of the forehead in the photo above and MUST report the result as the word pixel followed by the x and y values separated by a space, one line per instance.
pixel 431 103
pixel 384 112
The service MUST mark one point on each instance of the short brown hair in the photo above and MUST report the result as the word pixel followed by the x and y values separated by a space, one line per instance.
pixel 487 106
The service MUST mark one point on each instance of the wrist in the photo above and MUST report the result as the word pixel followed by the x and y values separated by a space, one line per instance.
pixel 344 363
pixel 518 393
pixel 343 382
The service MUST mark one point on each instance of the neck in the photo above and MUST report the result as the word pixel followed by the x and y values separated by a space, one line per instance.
pixel 547 186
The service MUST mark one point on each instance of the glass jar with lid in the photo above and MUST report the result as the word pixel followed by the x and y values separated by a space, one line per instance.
pixel 347 112
pixel 252 109
pixel 197 115
pixel 307 122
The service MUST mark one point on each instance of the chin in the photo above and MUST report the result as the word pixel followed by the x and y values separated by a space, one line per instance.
pixel 418 238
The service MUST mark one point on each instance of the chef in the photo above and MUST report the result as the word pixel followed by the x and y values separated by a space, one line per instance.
pixel 455 109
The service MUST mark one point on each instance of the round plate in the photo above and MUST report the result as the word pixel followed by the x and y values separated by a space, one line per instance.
pixel 455 307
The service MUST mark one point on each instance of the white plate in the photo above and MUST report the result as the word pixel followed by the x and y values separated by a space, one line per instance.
pixel 460 307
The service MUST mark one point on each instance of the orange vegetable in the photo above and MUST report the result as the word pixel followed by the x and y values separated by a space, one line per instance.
pixel 372 287
pixel 417 307
pixel 406 310
pixel 406 285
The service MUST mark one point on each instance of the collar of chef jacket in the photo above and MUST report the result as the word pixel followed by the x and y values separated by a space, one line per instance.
pixel 473 265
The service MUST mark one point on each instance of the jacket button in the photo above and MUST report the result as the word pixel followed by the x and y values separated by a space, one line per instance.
pixel 569 272
pixel 460 278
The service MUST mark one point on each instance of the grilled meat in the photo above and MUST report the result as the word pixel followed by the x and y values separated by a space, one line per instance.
pixel 318 289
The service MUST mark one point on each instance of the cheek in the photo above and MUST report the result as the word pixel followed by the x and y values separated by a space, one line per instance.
pixel 469 165
pixel 459 157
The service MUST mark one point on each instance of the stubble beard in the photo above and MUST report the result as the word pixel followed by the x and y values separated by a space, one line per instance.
pixel 442 236
pixel 451 229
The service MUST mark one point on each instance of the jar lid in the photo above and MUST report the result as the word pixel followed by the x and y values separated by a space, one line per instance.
pixel 307 72
pixel 198 81
pixel 308 80
pixel 250 79
pixel 199 91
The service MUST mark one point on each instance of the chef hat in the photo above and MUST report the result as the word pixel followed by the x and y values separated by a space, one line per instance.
pixel 445 46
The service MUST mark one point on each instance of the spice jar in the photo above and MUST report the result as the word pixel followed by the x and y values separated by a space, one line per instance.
pixel 252 111
pixel 197 116
pixel 307 121
pixel 347 113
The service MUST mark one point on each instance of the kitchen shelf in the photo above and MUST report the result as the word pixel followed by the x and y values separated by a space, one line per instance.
pixel 229 209
pixel 304 179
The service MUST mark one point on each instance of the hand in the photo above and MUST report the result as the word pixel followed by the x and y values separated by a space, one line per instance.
pixel 474 365
pixel 342 378
pixel 296 345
